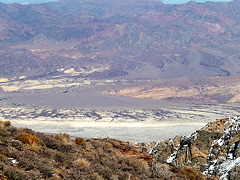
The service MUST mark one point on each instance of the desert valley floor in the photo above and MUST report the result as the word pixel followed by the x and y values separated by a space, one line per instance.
pixel 99 116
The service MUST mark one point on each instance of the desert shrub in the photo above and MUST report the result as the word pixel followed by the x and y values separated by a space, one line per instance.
pixel 56 142
pixel 47 153
pixel 79 140
pixel 95 176
pixel 18 145
pixel 63 137
pixel 4 161
pixel 139 166
pixel 4 141
pixel 28 160
pixel 65 148
pixel 60 157
pixel 46 171
pixel 3 132
pixel 160 170
pixel 48 141
pixel 34 174
pixel 74 174
pixel 4 150
pixel 2 177
pixel 105 172
pixel 29 139
pixel 82 163
pixel 65 159
pixel 124 175
pixel 1 123
pixel 7 123
pixel 110 161
pixel 27 130
pixel 14 173
pixel 12 130
pixel 8 151
pixel 97 144
pixel 11 172
pixel 191 173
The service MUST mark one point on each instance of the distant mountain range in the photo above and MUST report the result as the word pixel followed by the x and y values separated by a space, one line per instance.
pixel 164 1
pixel 129 39
pixel 26 1
pixel 186 1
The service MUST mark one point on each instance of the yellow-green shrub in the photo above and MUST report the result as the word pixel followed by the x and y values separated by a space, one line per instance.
pixel 29 139
pixel 79 140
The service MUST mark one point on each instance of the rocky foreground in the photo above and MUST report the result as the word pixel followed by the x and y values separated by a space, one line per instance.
pixel 212 150
pixel 209 153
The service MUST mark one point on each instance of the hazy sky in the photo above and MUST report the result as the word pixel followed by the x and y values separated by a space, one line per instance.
pixel 25 1
pixel 165 1
pixel 185 1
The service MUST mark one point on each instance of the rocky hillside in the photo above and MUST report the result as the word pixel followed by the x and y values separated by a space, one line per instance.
pixel 213 150
pixel 25 154
pixel 209 153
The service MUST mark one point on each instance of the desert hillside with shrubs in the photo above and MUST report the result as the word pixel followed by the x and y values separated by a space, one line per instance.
pixel 26 154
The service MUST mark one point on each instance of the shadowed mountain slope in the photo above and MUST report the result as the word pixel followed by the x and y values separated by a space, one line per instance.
pixel 120 38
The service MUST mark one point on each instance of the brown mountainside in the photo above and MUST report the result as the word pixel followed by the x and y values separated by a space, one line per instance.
pixel 146 39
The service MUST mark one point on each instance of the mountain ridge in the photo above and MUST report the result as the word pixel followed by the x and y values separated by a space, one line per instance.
pixel 167 34
pixel 145 40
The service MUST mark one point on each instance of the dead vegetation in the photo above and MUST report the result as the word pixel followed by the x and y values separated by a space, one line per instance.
pixel 25 154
